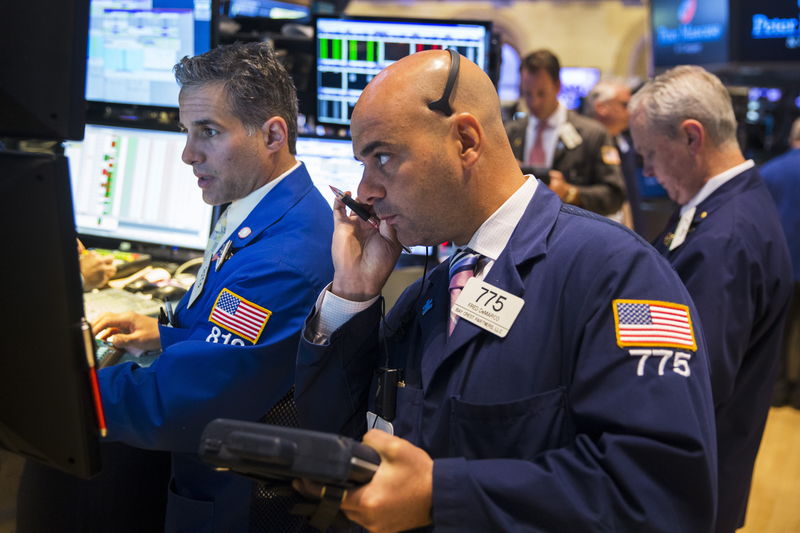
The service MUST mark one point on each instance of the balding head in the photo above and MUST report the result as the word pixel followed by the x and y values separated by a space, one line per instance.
pixel 415 157
pixel 406 87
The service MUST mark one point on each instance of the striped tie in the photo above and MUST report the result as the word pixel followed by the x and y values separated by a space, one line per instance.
pixel 462 268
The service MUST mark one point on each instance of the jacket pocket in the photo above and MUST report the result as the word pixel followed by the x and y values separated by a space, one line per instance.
pixel 187 515
pixel 520 429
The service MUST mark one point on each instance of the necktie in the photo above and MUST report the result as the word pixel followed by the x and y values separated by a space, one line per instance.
pixel 214 242
pixel 536 156
pixel 462 268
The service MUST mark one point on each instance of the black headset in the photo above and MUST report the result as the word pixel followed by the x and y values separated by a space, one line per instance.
pixel 443 104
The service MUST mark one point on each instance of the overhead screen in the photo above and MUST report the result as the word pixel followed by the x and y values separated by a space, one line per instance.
pixel 689 32
pixel 351 51
pixel 133 45
pixel 130 184
pixel 769 30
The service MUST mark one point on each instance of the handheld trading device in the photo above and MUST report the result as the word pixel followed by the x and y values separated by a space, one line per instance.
pixel 277 453
pixel 268 452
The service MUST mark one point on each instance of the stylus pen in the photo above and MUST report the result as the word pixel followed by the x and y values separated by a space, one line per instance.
pixel 95 387
pixel 360 210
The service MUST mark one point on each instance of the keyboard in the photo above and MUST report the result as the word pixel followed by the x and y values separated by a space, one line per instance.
pixel 96 303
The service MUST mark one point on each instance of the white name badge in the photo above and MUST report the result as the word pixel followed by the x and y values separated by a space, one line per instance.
pixel 488 307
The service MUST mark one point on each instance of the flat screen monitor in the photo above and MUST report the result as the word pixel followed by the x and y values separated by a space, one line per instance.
pixel 42 69
pixel 130 184
pixel 768 30
pixel 330 161
pixel 576 82
pixel 689 32
pixel 269 9
pixel 133 45
pixel 351 51
pixel 47 408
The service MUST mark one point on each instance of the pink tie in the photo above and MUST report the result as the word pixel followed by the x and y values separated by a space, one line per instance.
pixel 462 268
pixel 536 156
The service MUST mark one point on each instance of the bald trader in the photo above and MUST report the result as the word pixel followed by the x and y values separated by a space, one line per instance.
pixel 549 422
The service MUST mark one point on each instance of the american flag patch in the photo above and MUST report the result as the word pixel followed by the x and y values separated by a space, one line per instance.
pixel 237 315
pixel 653 323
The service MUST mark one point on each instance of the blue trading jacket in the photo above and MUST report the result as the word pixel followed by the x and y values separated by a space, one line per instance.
pixel 736 266
pixel 555 427
pixel 207 371
pixel 782 178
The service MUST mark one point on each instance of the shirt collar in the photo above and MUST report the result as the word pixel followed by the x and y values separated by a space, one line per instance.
pixel 492 236
pixel 715 183
pixel 241 208
pixel 555 120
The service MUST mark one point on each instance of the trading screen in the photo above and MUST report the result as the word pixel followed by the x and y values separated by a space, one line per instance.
pixel 131 184
pixel 133 45
pixel 350 52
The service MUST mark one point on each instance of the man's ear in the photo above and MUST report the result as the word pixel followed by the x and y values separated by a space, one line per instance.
pixel 275 133
pixel 470 136
pixel 694 134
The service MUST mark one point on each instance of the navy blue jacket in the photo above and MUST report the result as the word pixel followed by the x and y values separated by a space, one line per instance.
pixel 736 266
pixel 207 371
pixel 782 177
pixel 550 428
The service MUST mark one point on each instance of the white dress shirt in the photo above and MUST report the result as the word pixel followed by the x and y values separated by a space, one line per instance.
pixel 549 135
pixel 715 183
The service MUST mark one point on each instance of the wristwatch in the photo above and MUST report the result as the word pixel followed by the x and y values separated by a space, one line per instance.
pixel 572 195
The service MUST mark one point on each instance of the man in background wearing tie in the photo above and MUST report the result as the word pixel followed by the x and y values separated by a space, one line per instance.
pixel 532 403
pixel 727 245
pixel 577 153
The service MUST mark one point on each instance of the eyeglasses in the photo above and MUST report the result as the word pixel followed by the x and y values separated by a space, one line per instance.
pixel 442 105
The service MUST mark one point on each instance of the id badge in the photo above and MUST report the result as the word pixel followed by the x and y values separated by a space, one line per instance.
pixel 376 422
pixel 488 307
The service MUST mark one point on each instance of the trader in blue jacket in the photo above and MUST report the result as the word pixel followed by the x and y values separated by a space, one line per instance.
pixel 727 245
pixel 230 348
pixel 782 178
pixel 569 388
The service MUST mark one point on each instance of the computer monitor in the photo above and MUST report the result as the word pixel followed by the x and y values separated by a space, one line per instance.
pixel 350 51
pixel 130 185
pixel 330 161
pixel 269 9
pixel 42 69
pixel 133 45
pixel 47 408
pixel 576 82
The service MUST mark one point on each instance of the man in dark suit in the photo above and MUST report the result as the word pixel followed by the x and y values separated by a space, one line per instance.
pixel 583 163
pixel 541 408
pixel 727 245
pixel 607 103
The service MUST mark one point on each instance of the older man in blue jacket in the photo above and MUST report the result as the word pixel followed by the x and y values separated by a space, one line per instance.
pixel 726 243
pixel 566 389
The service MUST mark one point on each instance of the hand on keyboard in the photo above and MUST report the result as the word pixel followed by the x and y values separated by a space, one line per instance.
pixel 128 330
